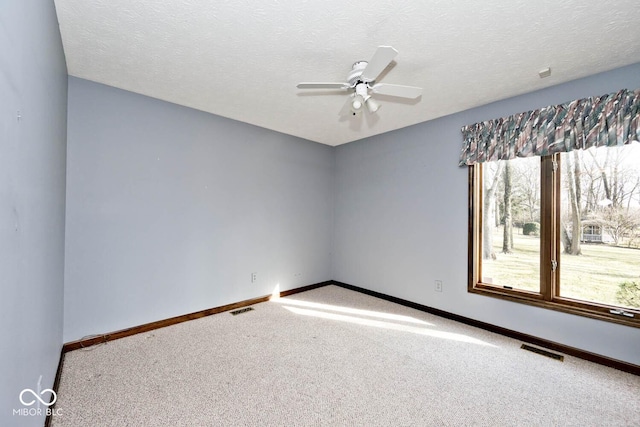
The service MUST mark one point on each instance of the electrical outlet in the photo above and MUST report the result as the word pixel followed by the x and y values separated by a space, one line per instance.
pixel 254 277
pixel 438 285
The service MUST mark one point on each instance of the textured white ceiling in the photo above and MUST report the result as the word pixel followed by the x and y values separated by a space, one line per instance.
pixel 242 59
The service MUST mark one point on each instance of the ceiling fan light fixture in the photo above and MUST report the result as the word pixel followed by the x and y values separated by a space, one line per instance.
pixel 357 104
pixel 372 105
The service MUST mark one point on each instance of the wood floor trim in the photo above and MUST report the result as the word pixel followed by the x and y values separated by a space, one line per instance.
pixel 56 385
pixel 305 288
pixel 561 348
pixel 102 338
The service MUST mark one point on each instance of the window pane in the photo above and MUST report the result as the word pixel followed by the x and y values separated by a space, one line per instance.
pixel 510 246
pixel 600 225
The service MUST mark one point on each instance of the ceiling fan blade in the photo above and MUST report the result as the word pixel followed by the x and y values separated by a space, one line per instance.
pixel 381 59
pixel 323 85
pixel 410 92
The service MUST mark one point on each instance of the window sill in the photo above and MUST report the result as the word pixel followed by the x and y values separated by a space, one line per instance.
pixel 565 305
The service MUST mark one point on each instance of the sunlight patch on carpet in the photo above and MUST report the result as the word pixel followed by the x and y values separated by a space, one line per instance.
pixel 359 312
pixel 389 325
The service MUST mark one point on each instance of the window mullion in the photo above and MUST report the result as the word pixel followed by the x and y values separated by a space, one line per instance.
pixel 557 225
pixel 475 225
pixel 549 197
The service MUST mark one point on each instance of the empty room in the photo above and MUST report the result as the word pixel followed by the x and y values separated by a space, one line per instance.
pixel 319 213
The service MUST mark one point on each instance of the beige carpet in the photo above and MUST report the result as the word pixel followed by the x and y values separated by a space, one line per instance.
pixel 334 357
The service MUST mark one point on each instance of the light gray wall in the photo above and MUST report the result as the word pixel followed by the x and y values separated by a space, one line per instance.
pixel 170 210
pixel 401 221
pixel 33 80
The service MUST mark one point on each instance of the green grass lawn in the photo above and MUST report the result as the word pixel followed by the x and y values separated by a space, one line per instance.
pixel 593 276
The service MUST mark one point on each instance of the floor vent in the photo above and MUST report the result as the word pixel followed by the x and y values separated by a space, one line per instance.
pixel 543 352
pixel 242 310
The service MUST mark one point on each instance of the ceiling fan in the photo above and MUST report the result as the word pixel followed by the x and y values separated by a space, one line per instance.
pixel 362 82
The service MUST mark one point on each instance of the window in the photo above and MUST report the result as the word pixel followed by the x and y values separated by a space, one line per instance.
pixel 592 233
pixel 559 231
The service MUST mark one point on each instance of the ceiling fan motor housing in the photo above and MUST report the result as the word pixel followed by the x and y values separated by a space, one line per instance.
pixel 356 72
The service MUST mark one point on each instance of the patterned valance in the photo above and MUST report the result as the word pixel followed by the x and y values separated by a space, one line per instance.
pixel 606 120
